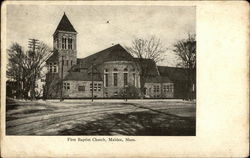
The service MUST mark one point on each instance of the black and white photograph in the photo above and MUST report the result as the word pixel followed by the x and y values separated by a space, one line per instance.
pixel 100 70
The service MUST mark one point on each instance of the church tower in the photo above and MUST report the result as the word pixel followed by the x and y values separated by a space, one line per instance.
pixel 64 42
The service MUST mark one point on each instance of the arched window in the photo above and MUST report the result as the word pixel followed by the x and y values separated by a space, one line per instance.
pixel 106 77
pixel 115 77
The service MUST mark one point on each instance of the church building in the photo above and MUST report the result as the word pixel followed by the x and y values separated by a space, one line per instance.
pixel 109 73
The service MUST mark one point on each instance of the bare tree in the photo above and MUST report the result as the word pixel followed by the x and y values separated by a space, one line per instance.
pixel 186 51
pixel 26 67
pixel 36 62
pixel 146 51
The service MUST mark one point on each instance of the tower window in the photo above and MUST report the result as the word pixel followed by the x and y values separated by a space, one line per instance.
pixel 70 41
pixel 64 43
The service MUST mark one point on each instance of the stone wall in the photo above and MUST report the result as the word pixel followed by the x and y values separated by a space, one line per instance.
pixel 119 67
pixel 75 91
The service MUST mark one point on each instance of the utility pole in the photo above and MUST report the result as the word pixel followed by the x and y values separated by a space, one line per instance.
pixel 92 92
pixel 33 44
pixel 61 98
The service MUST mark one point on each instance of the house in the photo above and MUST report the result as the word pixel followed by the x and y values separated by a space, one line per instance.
pixel 109 73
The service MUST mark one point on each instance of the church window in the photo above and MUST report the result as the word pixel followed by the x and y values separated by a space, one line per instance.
pixel 71 62
pixel 90 86
pixel 156 88
pixel 134 80
pixel 55 67
pixel 165 88
pixel 115 79
pixel 99 87
pixel 66 85
pixel 95 87
pixel 64 43
pixel 125 79
pixel 50 67
pixel 57 43
pixel 125 69
pixel 67 62
pixel 106 80
pixel 70 41
pixel 171 88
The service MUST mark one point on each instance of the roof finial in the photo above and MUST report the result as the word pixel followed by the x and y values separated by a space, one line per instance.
pixel 64 13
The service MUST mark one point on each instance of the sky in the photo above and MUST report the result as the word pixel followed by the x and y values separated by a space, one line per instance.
pixel 169 23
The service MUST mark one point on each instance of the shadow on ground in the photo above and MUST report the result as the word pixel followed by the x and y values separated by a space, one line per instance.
pixel 137 124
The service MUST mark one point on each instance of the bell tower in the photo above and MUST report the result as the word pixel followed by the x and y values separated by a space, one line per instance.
pixel 64 41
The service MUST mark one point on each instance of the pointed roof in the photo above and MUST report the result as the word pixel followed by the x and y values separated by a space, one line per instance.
pixel 65 25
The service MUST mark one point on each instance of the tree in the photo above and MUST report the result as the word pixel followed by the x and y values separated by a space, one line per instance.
pixel 15 67
pixel 36 58
pixel 186 51
pixel 146 50
pixel 26 67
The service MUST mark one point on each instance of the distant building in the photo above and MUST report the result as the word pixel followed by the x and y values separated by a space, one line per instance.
pixel 110 73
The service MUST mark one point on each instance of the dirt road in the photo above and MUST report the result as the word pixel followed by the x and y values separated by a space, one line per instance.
pixel 54 117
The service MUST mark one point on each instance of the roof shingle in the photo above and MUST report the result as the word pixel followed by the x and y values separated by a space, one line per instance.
pixel 174 73
pixel 65 25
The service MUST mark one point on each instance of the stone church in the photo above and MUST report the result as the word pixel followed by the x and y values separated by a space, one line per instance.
pixel 109 73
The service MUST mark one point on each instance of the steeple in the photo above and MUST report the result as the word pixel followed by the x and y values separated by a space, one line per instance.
pixel 65 25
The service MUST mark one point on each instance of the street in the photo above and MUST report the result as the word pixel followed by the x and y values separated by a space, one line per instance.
pixel 101 117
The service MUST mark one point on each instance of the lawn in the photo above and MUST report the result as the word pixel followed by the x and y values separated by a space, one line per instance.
pixel 101 117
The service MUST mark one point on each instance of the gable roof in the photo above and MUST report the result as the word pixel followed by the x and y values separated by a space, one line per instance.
pixel 174 73
pixel 65 25
pixel 53 57
pixel 114 53
pixel 148 65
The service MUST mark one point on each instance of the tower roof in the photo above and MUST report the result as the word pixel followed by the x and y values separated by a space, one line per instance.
pixel 65 25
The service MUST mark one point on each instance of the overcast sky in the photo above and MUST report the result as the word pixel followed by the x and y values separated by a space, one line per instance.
pixel 170 24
